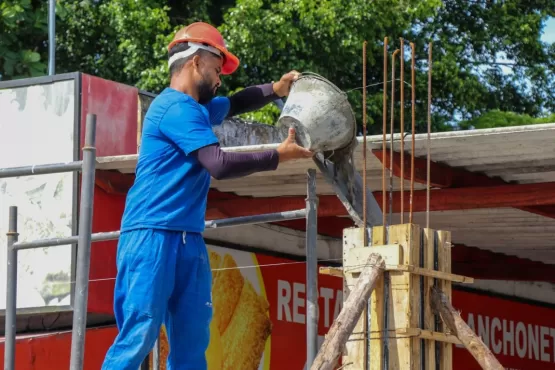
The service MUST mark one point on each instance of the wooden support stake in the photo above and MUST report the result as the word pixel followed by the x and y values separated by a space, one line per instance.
pixel 343 326
pixel 472 342
pixel 333 271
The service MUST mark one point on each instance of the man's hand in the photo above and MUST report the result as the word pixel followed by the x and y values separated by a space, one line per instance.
pixel 289 149
pixel 283 86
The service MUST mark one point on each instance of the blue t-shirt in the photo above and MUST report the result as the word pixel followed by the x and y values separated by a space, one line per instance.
pixel 171 187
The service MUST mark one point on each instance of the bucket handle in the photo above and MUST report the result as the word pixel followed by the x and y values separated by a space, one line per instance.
pixel 319 77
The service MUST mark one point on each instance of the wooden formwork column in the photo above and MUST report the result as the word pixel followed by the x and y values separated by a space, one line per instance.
pixel 416 259
pixel 403 304
pixel 357 345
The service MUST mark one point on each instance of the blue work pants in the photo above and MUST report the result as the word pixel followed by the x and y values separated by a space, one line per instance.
pixel 163 277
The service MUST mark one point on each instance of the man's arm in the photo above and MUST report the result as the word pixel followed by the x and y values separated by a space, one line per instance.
pixel 251 98
pixel 225 165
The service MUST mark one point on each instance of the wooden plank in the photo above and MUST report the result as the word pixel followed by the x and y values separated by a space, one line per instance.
pixel 444 259
pixel 404 303
pixel 429 345
pixel 412 269
pixel 418 333
pixel 375 347
pixel 332 271
pixel 435 274
pixel 355 346
pixel 430 335
pixel 392 255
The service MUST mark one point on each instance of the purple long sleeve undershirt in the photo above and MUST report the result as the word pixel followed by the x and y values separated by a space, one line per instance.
pixel 226 165
pixel 251 98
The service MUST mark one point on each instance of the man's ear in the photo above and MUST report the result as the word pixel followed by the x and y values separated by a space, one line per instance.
pixel 196 62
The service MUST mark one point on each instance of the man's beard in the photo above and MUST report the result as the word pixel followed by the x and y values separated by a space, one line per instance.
pixel 206 92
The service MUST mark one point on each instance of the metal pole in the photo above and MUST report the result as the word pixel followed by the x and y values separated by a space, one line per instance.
pixel 311 269
pixel 211 224
pixel 42 169
pixel 84 246
pixel 52 242
pixel 51 37
pixel 256 219
pixel 11 293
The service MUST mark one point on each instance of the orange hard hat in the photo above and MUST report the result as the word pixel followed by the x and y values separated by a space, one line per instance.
pixel 204 33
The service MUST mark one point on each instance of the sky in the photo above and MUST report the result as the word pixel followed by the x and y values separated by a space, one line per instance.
pixel 549 31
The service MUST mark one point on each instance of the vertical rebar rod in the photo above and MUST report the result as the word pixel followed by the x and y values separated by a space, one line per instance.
pixel 365 237
pixel 413 119
pixel 429 133
pixel 84 246
pixel 156 355
pixel 311 269
pixel 386 274
pixel 51 37
pixel 422 306
pixel 364 138
pixel 11 292
pixel 392 129
pixel 384 130
pixel 402 127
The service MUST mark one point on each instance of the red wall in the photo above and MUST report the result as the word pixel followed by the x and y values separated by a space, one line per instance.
pixel 520 335
pixel 116 108
pixel 52 352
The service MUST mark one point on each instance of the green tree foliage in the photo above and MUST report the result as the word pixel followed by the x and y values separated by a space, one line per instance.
pixel 125 41
pixel 470 37
pixel 23 26
pixel 497 118
pixel 119 40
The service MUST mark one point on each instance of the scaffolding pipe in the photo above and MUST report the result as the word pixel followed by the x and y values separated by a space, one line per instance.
pixel 51 37
pixel 11 293
pixel 311 269
pixel 256 219
pixel 52 242
pixel 211 224
pixel 84 247
pixel 42 169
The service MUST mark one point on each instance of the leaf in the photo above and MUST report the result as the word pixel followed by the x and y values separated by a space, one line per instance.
pixel 30 56
pixel 8 67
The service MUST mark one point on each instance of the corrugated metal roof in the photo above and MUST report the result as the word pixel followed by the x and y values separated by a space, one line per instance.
pixel 506 230
pixel 522 154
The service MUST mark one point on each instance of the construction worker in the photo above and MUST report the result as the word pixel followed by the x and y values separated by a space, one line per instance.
pixel 163 270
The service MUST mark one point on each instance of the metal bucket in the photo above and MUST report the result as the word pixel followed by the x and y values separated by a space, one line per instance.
pixel 320 113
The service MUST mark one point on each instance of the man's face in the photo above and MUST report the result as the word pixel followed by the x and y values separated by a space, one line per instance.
pixel 208 81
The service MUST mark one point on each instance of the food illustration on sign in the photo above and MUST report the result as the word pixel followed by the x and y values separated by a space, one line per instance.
pixel 241 325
